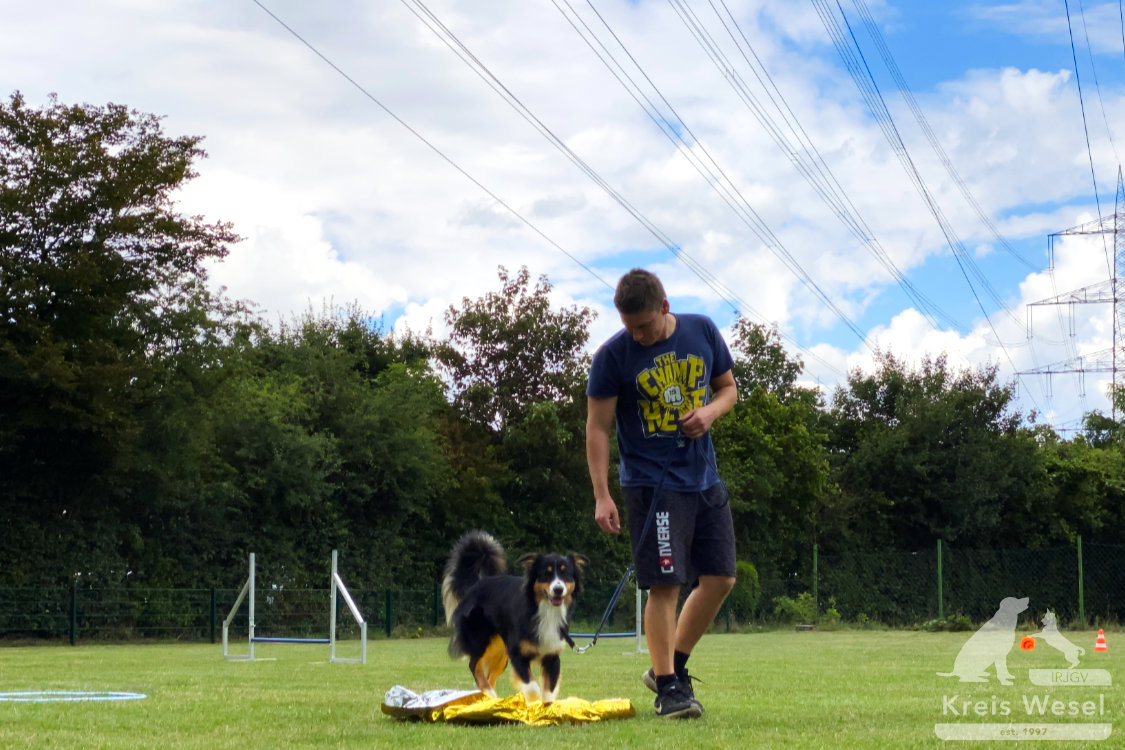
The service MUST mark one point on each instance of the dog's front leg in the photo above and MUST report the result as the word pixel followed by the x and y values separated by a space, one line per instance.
pixel 521 678
pixel 1002 672
pixel 550 672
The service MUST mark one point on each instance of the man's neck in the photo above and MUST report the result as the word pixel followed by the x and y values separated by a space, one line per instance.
pixel 670 323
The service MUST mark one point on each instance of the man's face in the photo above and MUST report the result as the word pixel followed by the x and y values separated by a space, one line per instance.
pixel 646 327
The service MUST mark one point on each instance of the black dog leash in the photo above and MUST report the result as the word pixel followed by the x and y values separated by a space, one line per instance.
pixel 629 570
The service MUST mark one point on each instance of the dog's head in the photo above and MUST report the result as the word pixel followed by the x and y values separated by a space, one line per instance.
pixel 553 578
pixel 1050 619
pixel 1012 606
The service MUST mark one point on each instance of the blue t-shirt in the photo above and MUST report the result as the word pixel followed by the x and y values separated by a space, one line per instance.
pixel 655 385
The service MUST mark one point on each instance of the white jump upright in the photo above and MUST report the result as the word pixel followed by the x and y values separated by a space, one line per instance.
pixel 336 584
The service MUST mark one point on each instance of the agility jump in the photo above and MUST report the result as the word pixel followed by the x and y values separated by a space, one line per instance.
pixel 637 633
pixel 336 585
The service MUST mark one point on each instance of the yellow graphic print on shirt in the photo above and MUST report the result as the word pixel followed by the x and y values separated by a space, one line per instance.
pixel 670 389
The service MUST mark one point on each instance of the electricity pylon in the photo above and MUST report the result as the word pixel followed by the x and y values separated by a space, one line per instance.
pixel 1110 360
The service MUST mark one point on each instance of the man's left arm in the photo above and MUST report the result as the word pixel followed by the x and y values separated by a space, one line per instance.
pixel 724 393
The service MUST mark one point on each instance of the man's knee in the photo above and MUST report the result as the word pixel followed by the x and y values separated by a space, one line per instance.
pixel 664 593
pixel 720 585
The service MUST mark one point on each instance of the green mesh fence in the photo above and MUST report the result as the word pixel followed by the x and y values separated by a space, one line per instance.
pixel 901 588
pixel 892 587
pixel 897 588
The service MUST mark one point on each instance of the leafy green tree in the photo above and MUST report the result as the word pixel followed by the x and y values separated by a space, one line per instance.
pixel 517 369
pixel 510 349
pixel 771 454
pixel 344 449
pixel 761 362
pixel 1080 489
pixel 102 301
pixel 927 453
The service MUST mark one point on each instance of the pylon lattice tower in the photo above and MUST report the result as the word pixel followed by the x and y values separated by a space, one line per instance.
pixel 1110 360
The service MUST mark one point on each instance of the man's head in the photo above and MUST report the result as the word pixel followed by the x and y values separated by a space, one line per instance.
pixel 638 291
pixel 640 301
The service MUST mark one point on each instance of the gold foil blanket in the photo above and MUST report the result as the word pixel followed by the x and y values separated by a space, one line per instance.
pixel 474 707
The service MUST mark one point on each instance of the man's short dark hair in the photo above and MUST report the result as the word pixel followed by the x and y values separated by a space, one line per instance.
pixel 638 291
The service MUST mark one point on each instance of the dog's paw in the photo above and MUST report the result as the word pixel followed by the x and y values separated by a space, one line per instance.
pixel 532 692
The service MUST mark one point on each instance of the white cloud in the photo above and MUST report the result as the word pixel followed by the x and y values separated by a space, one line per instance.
pixel 338 202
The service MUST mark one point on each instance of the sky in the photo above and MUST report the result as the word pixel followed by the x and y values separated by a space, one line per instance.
pixel 865 175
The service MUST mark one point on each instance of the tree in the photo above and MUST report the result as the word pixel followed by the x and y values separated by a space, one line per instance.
pixel 771 453
pixel 925 454
pixel 510 349
pixel 518 371
pixel 762 362
pixel 102 297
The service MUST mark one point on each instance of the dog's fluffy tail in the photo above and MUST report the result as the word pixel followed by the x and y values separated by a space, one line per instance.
pixel 476 555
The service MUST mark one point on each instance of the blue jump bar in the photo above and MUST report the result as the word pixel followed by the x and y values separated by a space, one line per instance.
pixel 290 640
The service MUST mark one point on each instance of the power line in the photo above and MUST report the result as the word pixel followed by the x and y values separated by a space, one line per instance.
pixel 804 155
pixel 693 265
pixel 865 81
pixel 695 152
pixel 924 124
pixel 1097 86
pixel 431 146
pixel 434 24
pixel 1086 128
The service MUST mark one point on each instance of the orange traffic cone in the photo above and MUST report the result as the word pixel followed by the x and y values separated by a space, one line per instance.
pixel 1099 645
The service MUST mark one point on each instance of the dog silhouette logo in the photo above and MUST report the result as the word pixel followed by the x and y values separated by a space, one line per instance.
pixel 990 645
pixel 1056 640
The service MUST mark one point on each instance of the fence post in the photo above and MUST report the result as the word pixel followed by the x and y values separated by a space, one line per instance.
pixel 214 614
pixel 940 593
pixel 74 612
pixel 815 579
pixel 389 613
pixel 437 603
pixel 1081 592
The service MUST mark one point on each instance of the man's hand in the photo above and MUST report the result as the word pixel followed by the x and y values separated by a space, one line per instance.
pixel 697 422
pixel 724 393
pixel 605 513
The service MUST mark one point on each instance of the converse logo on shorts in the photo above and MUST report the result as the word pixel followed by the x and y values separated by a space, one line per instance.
pixel 663 542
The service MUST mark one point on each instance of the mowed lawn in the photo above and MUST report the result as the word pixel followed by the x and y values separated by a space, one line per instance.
pixel 847 689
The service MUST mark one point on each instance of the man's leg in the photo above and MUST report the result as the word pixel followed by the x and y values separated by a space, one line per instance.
pixel 672 700
pixel 700 610
pixel 660 626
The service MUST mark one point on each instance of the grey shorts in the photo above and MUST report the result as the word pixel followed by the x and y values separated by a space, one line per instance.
pixel 691 534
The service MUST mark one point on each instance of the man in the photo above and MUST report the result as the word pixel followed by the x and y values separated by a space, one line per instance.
pixel 664 379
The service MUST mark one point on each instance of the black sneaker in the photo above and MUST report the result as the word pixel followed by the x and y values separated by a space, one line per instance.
pixel 686 681
pixel 673 702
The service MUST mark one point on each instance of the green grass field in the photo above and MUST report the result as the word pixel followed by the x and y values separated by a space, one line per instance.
pixel 846 689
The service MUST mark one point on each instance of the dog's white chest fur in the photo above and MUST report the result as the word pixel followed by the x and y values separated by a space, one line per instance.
pixel 551 621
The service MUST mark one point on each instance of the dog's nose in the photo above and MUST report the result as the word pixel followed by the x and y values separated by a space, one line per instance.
pixel 557 589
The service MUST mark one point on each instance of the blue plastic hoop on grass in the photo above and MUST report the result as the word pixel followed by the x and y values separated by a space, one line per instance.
pixel 67 696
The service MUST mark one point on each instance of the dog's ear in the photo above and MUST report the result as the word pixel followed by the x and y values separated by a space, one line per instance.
pixel 528 560
pixel 579 560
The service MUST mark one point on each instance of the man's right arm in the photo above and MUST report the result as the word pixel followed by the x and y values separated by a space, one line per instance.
pixel 599 419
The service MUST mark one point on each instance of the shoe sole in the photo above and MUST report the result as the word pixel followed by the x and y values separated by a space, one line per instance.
pixel 694 711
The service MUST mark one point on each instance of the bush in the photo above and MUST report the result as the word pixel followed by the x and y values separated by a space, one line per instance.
pixel 802 609
pixel 951 623
pixel 743 598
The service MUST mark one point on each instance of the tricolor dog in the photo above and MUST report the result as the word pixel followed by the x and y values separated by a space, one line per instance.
pixel 499 618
